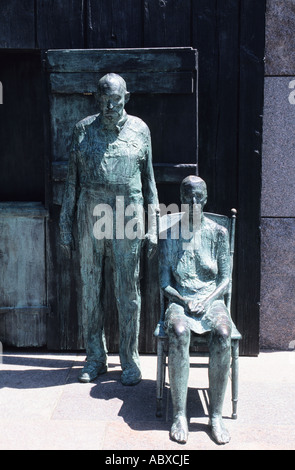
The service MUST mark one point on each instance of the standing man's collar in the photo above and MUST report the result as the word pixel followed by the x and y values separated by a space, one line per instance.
pixel 122 121
pixel 118 127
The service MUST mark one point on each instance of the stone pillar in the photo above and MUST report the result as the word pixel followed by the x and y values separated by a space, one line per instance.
pixel 277 320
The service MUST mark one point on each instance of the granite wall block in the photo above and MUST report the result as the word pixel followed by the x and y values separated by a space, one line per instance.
pixel 280 39
pixel 278 161
pixel 277 316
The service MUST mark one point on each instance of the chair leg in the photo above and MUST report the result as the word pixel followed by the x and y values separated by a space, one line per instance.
pixel 161 366
pixel 235 377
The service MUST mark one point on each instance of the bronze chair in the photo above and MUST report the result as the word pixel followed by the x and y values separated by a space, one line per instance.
pixel 196 340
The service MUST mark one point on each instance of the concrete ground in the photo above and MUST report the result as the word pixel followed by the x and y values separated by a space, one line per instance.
pixel 43 406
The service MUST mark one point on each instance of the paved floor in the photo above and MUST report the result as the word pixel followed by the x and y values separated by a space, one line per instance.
pixel 42 406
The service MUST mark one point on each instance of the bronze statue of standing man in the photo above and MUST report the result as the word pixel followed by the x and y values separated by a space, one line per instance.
pixel 110 160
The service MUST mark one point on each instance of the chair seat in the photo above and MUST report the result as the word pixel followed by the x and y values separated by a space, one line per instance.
pixel 235 334
pixel 161 334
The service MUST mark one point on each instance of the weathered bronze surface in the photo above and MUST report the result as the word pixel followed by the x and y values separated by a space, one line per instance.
pixel 110 164
pixel 195 273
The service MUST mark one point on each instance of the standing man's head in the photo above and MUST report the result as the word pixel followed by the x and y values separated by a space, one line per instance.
pixel 112 97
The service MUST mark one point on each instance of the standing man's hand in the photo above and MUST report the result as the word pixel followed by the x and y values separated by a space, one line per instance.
pixel 67 247
pixel 152 243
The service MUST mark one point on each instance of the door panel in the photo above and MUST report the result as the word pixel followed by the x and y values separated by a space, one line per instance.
pixel 163 87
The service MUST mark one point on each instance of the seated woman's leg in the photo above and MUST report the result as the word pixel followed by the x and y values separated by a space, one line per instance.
pixel 178 365
pixel 220 354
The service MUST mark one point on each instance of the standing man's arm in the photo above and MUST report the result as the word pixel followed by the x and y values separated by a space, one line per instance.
pixel 150 196
pixel 69 200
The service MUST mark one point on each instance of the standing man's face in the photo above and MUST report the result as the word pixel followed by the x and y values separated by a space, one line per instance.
pixel 112 101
